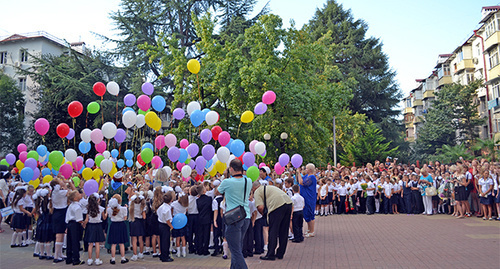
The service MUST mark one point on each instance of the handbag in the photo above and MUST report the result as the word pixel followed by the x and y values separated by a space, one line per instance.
pixel 239 213
pixel 430 191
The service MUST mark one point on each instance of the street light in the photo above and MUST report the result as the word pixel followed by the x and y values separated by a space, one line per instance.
pixel 284 136
pixel 267 137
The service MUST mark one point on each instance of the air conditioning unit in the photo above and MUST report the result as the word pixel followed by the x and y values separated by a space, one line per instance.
pixel 475 60
pixel 17 64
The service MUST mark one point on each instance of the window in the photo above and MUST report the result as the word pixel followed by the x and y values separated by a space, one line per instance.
pixel 22 84
pixel 493 58
pixel 492 25
pixel 446 70
pixel 408 102
pixel 496 90
pixel 24 55
pixel 460 56
pixel 3 57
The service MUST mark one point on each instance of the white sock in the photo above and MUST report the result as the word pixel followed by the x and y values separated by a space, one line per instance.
pixel 58 254
pixel 65 240
pixel 37 248
pixel 30 234
pixel 183 250
pixel 48 249
pixel 14 238
pixel 42 248
pixel 211 239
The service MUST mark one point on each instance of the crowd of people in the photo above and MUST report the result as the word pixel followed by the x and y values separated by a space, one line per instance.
pixel 229 214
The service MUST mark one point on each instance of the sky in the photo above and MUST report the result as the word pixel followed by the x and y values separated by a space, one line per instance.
pixel 413 33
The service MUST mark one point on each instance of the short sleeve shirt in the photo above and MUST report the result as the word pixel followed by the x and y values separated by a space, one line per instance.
pixel 233 189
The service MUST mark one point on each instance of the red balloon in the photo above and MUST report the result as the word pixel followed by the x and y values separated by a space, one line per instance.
pixel 99 88
pixel 240 158
pixel 75 108
pixel 139 159
pixel 216 130
pixel 62 130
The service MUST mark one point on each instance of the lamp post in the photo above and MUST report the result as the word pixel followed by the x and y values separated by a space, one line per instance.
pixel 283 137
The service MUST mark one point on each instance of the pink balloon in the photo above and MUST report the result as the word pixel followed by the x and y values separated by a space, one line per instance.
pixel 251 146
pixel 78 164
pixel 278 168
pixel 100 147
pixel 156 162
pixel 66 170
pixel 160 142
pixel 179 165
pixel 261 165
pixel 224 138
pixel 22 147
pixel 268 97
pixel 23 156
pixel 170 140
pixel 96 136
pixel 42 126
pixel 184 143
pixel 144 102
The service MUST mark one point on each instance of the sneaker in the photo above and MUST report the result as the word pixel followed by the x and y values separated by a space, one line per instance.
pixel 89 262
pixel 98 261
pixel 124 260
pixel 140 256
pixel 134 258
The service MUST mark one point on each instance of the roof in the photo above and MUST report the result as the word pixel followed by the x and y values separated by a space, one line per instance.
pixel 491 10
pixel 35 35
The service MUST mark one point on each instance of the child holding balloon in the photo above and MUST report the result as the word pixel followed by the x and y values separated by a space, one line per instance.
pixel 180 207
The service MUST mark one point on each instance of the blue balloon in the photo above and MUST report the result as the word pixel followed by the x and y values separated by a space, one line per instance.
pixel 129 163
pixel 183 156
pixel 81 170
pixel 205 111
pixel 45 171
pixel 197 118
pixel 84 147
pixel 147 145
pixel 228 146
pixel 245 167
pixel 158 103
pixel 114 153
pixel 179 221
pixel 237 147
pixel 120 163
pixel 54 172
pixel 127 109
pixel 209 163
pixel 129 154
pixel 27 174
pixel 41 150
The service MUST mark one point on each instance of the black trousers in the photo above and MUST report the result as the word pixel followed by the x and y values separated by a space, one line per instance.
pixel 407 203
pixel 297 225
pixel 370 203
pixel 362 203
pixel 73 242
pixel 191 231
pixel 341 205
pixel 202 238
pixel 279 224
pixel 218 236
pixel 416 202
pixel 387 205
pixel 258 235
pixel 164 241
pixel 248 241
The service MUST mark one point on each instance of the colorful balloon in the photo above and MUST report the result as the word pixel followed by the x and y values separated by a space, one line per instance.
pixel 99 88
pixel 205 136
pixel 62 130
pixel 268 97
pixel 158 103
pixel 42 126
pixel 247 116
pixel 113 88
pixel 129 99
pixel 144 102
pixel 212 117
pixel 216 130
pixel 224 138
pixel 147 88
pixel 75 108
pixel 178 113
pixel 260 108
pixel 93 107
pixel 193 66
pixel 170 140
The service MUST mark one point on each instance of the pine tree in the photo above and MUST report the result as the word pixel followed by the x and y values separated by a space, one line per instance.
pixel 11 114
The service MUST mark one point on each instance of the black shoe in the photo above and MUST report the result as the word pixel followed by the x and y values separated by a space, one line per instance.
pixel 205 253
pixel 58 260
pixel 216 253
pixel 79 263
pixel 146 253
pixel 41 257
pixel 279 257
pixel 36 255
pixel 112 261
pixel 257 252
pixel 24 245
pixel 155 255
pixel 191 251
pixel 169 259
pixel 267 258
pixel 49 257
pixel 296 241
pixel 69 262
pixel 245 256
pixel 250 255
pixel 14 246
pixel 124 260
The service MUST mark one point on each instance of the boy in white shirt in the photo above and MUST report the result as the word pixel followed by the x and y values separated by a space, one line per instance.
pixel 297 215
pixel 165 218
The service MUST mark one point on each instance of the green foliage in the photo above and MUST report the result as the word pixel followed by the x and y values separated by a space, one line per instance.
pixel 486 148
pixel 11 114
pixel 451 154
pixel 367 147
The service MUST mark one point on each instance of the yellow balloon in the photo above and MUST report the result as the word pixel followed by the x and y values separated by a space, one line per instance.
pixel 193 66
pixel 19 165
pixel 34 183
pixel 47 179
pixel 151 119
pixel 213 172
pixel 70 163
pixel 49 165
pixel 247 116
pixel 87 173
pixel 101 185
pixel 97 174
pixel 220 167
pixel 113 171
pixel 63 161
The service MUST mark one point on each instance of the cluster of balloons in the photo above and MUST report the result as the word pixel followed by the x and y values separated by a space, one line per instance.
pixel 260 108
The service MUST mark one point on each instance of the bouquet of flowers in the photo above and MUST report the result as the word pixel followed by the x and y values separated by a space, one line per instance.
pixel 380 188
pixel 364 186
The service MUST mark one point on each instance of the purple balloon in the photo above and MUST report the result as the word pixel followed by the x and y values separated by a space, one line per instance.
pixel 260 108
pixel 71 134
pixel 89 163
pixel 31 163
pixel 148 88
pixel 120 135
pixel 296 160
pixel 90 187
pixel 248 158
pixel 200 170
pixel 205 135
pixel 193 150
pixel 192 164
pixel 284 159
pixel 200 162
pixel 173 154
pixel 36 173
pixel 129 99
pixel 178 113
pixel 208 152
pixel 10 158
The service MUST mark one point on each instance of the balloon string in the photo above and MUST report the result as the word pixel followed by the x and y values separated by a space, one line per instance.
pixel 86 119
pixel 102 112
pixel 199 91
pixel 74 136
pixel 64 144
pixel 126 144
pixel 238 134
pixel 116 112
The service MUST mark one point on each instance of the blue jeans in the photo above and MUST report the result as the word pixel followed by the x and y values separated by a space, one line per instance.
pixel 234 236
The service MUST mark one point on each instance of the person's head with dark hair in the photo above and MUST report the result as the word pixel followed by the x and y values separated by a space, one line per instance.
pixel 295 188
pixel 236 166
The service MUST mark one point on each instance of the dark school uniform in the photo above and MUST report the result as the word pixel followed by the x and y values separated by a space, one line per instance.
pixel 204 206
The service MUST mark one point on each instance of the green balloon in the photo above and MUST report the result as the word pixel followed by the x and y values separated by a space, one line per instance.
pixel 76 181
pixel 142 112
pixel 56 158
pixel 98 160
pixel 188 160
pixel 253 173
pixel 147 155
pixel 4 162
pixel 33 154
pixel 93 107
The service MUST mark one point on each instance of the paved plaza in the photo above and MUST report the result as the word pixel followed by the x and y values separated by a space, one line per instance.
pixel 345 241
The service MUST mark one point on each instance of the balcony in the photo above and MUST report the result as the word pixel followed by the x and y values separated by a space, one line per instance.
pixel 409 125
pixel 407 110
pixel 429 94
pixel 493 40
pixel 494 72
pixel 418 119
pixel 464 64
pixel 445 80
pixel 417 102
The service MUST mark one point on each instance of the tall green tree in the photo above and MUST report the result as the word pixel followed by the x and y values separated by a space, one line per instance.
pixel 11 114
pixel 356 55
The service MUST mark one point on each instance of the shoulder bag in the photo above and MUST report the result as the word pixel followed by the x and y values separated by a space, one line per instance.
pixel 239 213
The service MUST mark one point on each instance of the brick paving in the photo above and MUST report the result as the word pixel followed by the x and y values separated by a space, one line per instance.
pixel 345 241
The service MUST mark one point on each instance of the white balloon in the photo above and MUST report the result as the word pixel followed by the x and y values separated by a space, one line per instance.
pixel 138 164
pixel 260 148
pixel 192 106
pixel 186 171
pixel 231 157
pixel 141 120
pixel 223 154
pixel 129 119
pixel 168 170
pixel 113 88
pixel 106 166
pixel 70 155
pixel 106 154
pixel 85 135
pixel 42 158
pixel 108 130
pixel 212 117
